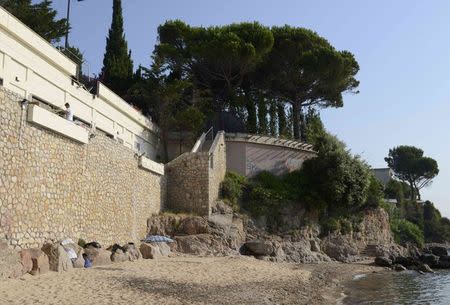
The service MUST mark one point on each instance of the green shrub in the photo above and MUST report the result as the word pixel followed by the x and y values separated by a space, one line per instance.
pixel 330 225
pixel 335 177
pixel 233 188
pixel 374 192
pixel 346 226
pixel 262 201
pixel 407 232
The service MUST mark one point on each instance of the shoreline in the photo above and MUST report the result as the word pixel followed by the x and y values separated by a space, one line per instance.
pixel 188 280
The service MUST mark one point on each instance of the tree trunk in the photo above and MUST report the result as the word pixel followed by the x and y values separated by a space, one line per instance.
pixel 251 115
pixel 273 118
pixel 296 119
pixel 281 121
pixel 262 116
pixel 413 190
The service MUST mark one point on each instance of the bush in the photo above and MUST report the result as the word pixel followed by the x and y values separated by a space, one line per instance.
pixel 336 177
pixel 233 188
pixel 346 226
pixel 407 232
pixel 262 201
pixel 330 225
pixel 374 193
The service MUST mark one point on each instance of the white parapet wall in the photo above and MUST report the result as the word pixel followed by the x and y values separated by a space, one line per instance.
pixel 34 69
pixel 150 165
pixel 49 120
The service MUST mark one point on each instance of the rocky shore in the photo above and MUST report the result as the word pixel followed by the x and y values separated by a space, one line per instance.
pixel 223 259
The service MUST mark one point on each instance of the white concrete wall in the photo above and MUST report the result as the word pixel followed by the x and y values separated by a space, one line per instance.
pixel 32 67
pixel 49 120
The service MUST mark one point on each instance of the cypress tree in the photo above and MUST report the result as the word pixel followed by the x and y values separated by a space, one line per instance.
pixel 117 71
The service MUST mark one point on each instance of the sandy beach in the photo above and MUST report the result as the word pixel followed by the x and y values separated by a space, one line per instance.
pixel 186 280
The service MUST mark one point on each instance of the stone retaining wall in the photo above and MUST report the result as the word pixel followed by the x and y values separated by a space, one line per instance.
pixel 194 178
pixel 52 187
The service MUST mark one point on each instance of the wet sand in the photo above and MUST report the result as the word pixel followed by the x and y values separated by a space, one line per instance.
pixel 187 280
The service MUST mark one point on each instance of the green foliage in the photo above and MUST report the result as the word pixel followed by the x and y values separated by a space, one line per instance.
pixel 409 164
pixel 397 190
pixel 247 66
pixel 313 128
pixel 233 187
pixel 117 71
pixel 330 225
pixel 40 17
pixel 374 193
pixel 305 69
pixel 336 178
pixel 81 242
pixel 407 232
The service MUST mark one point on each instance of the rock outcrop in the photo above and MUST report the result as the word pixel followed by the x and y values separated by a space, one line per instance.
pixel 58 259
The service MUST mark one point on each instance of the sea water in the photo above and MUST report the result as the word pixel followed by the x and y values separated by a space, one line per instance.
pixel 406 287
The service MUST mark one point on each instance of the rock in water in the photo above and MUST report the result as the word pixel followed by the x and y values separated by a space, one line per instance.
pixel 438 250
pixel 398 267
pixel 430 259
pixel 383 261
pixel 425 268
pixel 58 258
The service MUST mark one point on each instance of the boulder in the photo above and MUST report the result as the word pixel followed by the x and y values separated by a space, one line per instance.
pixel 119 256
pixel 98 256
pixel 425 268
pixel 10 262
pixel 27 263
pixel 340 248
pixel 79 261
pixel 383 261
pixel 315 247
pixel 259 248
pixel 194 244
pixel 405 261
pixel 398 267
pixel 444 262
pixel 193 225
pixel 154 250
pixel 58 258
pixel 300 252
pixel 93 244
pixel 132 252
pixel 40 261
pixel 429 259
pixel 437 250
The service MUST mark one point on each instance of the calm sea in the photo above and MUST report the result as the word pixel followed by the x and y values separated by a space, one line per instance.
pixel 408 287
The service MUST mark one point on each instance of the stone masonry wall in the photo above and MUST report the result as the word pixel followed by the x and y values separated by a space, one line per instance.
pixel 218 166
pixel 193 179
pixel 52 187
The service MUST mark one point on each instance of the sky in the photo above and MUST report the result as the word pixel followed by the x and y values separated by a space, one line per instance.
pixel 403 49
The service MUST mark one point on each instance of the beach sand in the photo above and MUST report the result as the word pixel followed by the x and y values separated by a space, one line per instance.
pixel 186 280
